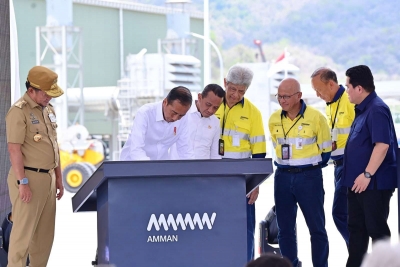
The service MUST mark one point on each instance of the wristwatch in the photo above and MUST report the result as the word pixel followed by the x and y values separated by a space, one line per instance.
pixel 367 175
pixel 23 181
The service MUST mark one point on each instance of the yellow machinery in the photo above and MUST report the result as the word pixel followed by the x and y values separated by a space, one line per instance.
pixel 79 157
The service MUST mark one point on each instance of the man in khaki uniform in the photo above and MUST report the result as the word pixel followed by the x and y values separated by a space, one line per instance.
pixel 35 179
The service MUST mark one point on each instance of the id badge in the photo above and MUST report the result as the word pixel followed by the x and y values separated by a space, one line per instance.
pixel 221 147
pixel 235 140
pixel 52 117
pixel 299 143
pixel 285 151
pixel 334 134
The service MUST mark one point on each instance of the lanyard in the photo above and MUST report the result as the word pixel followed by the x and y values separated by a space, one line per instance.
pixel 224 119
pixel 226 116
pixel 337 108
pixel 283 129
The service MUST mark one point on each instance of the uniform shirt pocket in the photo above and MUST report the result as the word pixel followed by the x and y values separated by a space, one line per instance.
pixel 242 126
pixel 343 121
pixel 37 128
pixel 358 127
pixel 277 134
pixel 306 132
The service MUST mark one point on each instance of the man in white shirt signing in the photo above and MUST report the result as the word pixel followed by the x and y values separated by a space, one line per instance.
pixel 204 127
pixel 157 126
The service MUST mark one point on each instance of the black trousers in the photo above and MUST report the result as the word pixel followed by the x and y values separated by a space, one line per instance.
pixel 368 213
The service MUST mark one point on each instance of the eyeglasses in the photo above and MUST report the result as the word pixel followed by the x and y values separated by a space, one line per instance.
pixel 285 97
pixel 240 89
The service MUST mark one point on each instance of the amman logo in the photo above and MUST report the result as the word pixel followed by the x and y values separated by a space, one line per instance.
pixel 195 222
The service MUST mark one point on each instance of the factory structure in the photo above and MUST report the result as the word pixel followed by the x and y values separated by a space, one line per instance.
pixel 114 56
pixel 111 57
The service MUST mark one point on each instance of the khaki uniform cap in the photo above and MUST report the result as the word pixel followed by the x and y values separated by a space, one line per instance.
pixel 44 79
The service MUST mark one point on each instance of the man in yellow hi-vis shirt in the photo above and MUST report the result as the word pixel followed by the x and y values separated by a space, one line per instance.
pixel 242 134
pixel 302 142
pixel 340 114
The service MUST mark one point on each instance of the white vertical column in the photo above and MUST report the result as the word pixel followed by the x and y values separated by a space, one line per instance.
pixel 270 149
pixel 121 42
pixel 61 106
pixel 14 59
pixel 82 100
pixel 206 64
pixel 38 54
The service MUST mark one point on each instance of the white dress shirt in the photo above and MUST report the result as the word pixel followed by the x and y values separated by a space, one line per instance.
pixel 151 136
pixel 204 135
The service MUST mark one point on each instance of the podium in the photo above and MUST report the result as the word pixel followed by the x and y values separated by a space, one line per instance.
pixel 189 213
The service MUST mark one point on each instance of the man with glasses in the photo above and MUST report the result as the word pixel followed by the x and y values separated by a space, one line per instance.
pixel 242 134
pixel 340 114
pixel 302 142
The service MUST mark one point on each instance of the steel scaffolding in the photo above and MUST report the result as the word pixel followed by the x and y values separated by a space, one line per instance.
pixel 60 49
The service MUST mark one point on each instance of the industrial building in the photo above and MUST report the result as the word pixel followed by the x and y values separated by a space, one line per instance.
pixel 111 50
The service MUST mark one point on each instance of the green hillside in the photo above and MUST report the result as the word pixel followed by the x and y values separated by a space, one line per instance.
pixel 334 33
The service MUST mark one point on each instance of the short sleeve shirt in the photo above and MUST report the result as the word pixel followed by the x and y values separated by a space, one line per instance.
pixel 25 120
pixel 373 124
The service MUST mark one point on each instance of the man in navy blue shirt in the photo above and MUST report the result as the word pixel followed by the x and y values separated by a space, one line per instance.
pixel 369 164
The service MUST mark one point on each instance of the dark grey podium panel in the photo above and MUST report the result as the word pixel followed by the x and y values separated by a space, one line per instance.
pixel 172 213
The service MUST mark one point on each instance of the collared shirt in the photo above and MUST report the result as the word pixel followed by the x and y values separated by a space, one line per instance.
pixel 373 124
pixel 340 115
pixel 308 137
pixel 204 135
pixel 151 136
pixel 242 130
pixel 25 120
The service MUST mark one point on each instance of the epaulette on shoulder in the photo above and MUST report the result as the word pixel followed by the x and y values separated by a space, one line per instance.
pixel 20 103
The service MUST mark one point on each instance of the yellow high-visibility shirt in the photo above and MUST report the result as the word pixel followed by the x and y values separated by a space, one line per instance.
pixel 340 114
pixel 242 130
pixel 308 139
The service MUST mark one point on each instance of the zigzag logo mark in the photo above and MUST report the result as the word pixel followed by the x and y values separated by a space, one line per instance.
pixel 173 222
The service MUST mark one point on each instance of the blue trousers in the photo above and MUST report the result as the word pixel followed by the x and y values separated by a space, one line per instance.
pixel 339 207
pixel 251 227
pixel 305 189
pixel 368 214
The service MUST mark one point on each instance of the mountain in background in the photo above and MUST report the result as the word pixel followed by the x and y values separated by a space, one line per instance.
pixel 338 34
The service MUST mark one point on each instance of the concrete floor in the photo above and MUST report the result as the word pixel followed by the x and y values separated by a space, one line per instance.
pixel 76 239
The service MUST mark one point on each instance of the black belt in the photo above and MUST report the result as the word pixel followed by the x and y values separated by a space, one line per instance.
pixel 297 169
pixel 36 170
pixel 338 162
